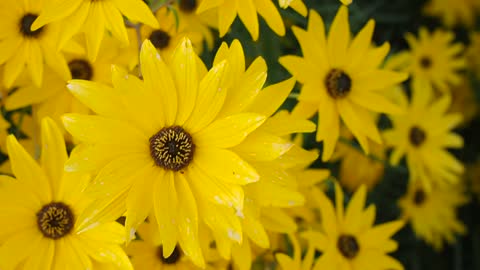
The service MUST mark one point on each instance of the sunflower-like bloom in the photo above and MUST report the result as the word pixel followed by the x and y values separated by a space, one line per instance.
pixel 433 214
pixel 24 49
pixel 40 212
pixel 453 12
pixel 93 18
pixel 341 78
pixel 433 57
pixel 297 262
pixel 175 144
pixel 349 240
pixel 53 99
pixel 171 32
pixel 247 11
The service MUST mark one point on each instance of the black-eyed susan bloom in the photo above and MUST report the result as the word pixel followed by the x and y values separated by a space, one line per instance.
pixel 424 135
pixel 433 214
pixel 349 239
pixel 247 11
pixel 22 48
pixel 341 79
pixel 177 142
pixel 40 212
pixel 92 18
pixel 433 57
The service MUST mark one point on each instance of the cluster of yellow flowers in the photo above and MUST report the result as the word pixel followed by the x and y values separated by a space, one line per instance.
pixel 126 151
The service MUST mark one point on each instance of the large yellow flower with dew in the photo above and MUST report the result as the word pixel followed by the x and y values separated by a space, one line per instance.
pixel 341 78
pixel 247 12
pixel 423 136
pixel 433 57
pixel 24 49
pixel 40 213
pixel 433 214
pixel 93 18
pixel 167 143
pixel 349 239
pixel 453 12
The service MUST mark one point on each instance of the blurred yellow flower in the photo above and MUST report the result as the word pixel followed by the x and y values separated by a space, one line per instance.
pixel 349 239
pixel 453 12
pixel 25 49
pixel 93 18
pixel 433 214
pixel 473 53
pixel 187 15
pixel 297 262
pixel 423 136
pixel 464 101
pixel 433 57
pixel 247 11
pixel 341 78
pixel 40 213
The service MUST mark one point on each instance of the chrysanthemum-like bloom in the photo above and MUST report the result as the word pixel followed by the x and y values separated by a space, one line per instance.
pixel 53 99
pixel 40 213
pixel 433 214
pixel 247 11
pixel 423 136
pixel 93 18
pixel 24 49
pixel 171 32
pixel 433 57
pixel 453 12
pixel 176 144
pixel 349 240
pixel 341 79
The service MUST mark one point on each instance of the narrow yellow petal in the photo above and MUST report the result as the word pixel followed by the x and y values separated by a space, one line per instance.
pixel 54 153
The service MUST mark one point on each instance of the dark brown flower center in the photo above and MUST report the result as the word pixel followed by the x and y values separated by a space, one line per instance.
pixel 419 197
pixel 55 220
pixel 160 39
pixel 172 148
pixel 348 246
pixel 172 259
pixel 417 136
pixel 188 6
pixel 338 83
pixel 26 24
pixel 426 62
pixel 81 69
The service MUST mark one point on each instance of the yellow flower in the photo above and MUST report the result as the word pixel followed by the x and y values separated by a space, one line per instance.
pixel 93 18
pixel 24 49
pixel 453 12
pixel 40 212
pixel 341 78
pixel 358 169
pixel 187 15
pixel 423 136
pixel 247 11
pixel 464 101
pixel 296 5
pixel 176 142
pixel 147 253
pixel 433 214
pixel 297 262
pixel 53 99
pixel 169 34
pixel 350 240
pixel 433 57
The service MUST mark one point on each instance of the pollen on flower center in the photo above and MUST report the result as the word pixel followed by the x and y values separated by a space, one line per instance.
pixel 348 246
pixel 172 259
pixel 81 69
pixel 188 6
pixel 417 136
pixel 25 24
pixel 172 148
pixel 338 83
pixel 426 62
pixel 419 197
pixel 160 39
pixel 55 220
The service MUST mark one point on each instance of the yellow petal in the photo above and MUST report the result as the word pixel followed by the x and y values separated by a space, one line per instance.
pixel 137 11
pixel 54 153
pixel 248 14
pixel 54 11
pixel 114 21
pixel 94 30
pixel 166 204
pixel 262 146
pixel 271 98
pixel 339 38
pixel 270 14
